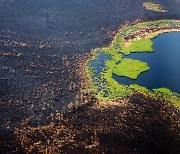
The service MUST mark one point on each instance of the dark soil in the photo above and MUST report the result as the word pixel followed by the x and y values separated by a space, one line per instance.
pixel 137 124
pixel 41 46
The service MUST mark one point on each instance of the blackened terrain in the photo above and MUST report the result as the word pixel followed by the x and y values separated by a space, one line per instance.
pixel 41 44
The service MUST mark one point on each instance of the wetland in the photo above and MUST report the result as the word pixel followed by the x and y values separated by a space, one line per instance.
pixel 48 103
pixel 136 40
pixel 163 62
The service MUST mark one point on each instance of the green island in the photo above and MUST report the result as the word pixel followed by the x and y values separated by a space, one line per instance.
pixel 128 67
pixel 130 38
pixel 153 7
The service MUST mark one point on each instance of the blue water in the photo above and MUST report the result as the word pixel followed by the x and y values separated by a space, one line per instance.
pixel 164 64
pixel 98 64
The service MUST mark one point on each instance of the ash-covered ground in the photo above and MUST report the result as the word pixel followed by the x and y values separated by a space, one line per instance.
pixel 41 46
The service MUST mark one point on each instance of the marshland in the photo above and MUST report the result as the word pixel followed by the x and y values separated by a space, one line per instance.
pixel 62 64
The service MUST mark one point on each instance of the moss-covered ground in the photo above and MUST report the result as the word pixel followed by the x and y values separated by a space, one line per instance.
pixel 129 39
pixel 141 45
pixel 154 7
pixel 130 68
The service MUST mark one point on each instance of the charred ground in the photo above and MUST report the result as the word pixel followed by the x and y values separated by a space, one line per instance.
pixel 39 59
pixel 136 124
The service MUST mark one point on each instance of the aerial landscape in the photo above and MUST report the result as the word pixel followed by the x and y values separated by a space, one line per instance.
pixel 89 76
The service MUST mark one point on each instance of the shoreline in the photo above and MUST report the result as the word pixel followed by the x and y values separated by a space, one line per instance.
pixel 138 31
pixel 96 125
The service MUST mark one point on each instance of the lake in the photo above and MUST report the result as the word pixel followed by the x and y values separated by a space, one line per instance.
pixel 164 64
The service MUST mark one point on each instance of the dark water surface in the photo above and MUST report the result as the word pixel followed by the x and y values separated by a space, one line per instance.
pixel 35 35
pixel 164 64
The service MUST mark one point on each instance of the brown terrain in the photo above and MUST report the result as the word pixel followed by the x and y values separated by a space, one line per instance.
pixel 135 124
pixel 45 105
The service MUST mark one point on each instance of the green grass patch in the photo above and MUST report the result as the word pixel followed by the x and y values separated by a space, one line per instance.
pixel 139 88
pixel 130 68
pixel 141 45
pixel 153 7
pixel 112 89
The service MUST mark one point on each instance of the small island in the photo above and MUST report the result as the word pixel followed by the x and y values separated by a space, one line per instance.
pixel 130 68
pixel 153 7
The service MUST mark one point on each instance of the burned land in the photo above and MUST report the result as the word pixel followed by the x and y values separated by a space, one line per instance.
pixel 45 105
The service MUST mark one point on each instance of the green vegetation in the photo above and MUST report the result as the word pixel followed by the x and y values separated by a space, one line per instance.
pixel 135 38
pixel 121 43
pixel 168 95
pixel 130 68
pixel 154 7
pixel 112 89
pixel 138 46
pixel 117 57
pixel 139 88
